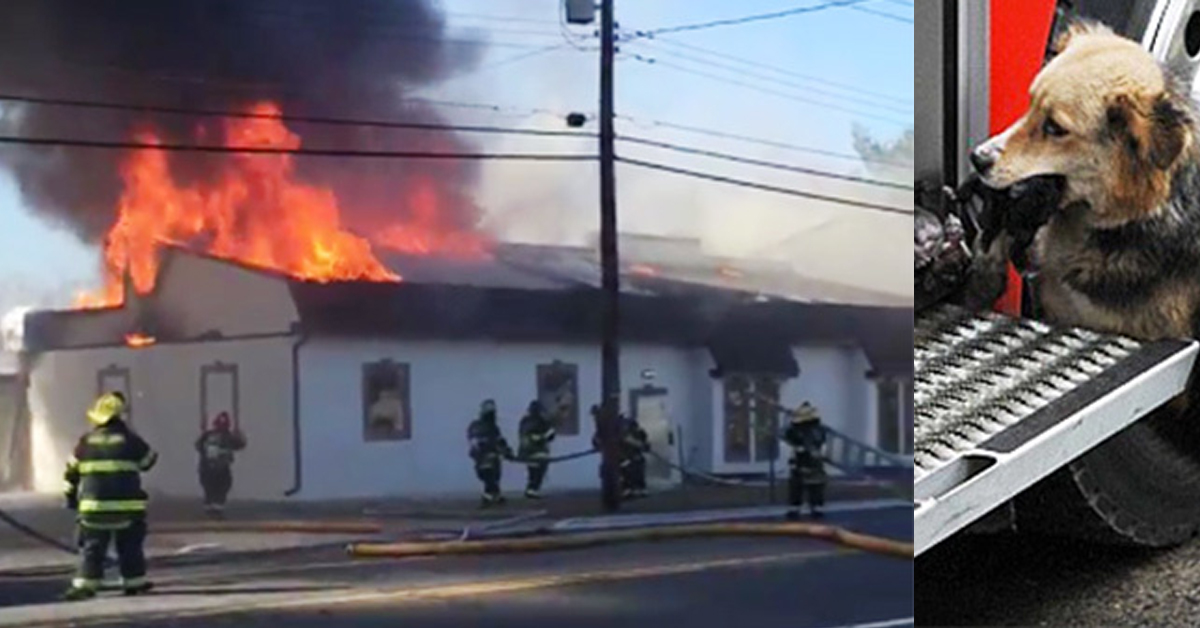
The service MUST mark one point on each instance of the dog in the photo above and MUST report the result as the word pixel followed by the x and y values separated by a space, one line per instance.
pixel 1120 248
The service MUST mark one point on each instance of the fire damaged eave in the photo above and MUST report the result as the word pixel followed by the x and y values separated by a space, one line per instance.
pixel 452 312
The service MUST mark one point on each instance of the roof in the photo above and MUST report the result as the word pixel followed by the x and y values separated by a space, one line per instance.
pixel 540 293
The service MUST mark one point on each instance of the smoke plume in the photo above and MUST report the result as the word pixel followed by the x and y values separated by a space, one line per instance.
pixel 352 58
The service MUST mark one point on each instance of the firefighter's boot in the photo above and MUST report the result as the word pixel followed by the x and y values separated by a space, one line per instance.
pixel 139 588
pixel 75 594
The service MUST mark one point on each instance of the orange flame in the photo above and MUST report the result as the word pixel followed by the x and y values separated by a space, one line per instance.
pixel 139 340
pixel 256 212
pixel 425 235
pixel 644 269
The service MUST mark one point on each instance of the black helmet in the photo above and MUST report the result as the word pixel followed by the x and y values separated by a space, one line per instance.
pixel 535 407
pixel 487 407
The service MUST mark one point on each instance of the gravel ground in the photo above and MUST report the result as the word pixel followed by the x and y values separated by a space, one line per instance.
pixel 1014 580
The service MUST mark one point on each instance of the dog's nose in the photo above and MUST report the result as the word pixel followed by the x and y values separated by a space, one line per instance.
pixel 983 158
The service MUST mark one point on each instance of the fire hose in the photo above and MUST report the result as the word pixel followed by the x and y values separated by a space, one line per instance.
pixel 707 477
pixel 34 534
pixel 554 459
pixel 854 540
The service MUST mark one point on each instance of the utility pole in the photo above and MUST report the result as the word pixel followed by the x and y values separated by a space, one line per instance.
pixel 610 351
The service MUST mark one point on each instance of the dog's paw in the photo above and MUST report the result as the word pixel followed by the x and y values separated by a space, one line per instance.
pixel 988 275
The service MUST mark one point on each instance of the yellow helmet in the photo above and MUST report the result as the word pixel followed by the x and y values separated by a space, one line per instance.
pixel 106 408
pixel 805 413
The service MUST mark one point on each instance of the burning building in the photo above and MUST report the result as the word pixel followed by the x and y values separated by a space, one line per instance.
pixel 363 388
pixel 347 314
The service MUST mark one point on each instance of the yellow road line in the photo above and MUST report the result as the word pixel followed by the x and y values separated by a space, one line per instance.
pixel 451 591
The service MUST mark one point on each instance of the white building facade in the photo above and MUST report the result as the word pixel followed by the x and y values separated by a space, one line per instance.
pixel 337 407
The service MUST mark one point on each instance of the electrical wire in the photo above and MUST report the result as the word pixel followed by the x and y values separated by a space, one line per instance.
pixel 763 142
pixel 890 16
pixel 270 150
pixel 783 71
pixel 764 187
pixel 759 88
pixel 755 18
pixel 286 118
pixel 469 128
pixel 758 162
pixel 777 81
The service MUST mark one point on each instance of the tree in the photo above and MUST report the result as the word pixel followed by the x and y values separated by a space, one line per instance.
pixel 898 151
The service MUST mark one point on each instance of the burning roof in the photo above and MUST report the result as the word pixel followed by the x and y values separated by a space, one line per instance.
pixel 255 210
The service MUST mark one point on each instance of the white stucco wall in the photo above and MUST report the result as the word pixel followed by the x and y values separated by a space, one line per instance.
pixel 832 378
pixel 199 294
pixel 448 380
pixel 165 399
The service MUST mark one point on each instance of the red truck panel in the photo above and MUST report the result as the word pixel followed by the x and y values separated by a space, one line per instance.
pixel 1020 30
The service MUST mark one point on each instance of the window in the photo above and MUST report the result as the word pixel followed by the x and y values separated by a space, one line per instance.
pixel 386 408
pixel 750 418
pixel 558 390
pixel 737 419
pixel 113 378
pixel 766 425
pixel 888 413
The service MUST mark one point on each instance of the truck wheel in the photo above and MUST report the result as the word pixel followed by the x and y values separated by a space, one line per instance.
pixel 1141 487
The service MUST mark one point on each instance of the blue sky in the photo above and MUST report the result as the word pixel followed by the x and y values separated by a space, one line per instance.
pixel 839 45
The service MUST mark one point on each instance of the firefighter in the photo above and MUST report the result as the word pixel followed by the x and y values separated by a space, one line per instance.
pixel 634 445
pixel 806 437
pixel 536 433
pixel 216 447
pixel 104 488
pixel 488 449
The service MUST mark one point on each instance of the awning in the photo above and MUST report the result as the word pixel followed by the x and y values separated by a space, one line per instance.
pixel 749 351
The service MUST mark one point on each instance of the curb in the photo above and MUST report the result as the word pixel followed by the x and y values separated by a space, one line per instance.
pixel 867 543
pixel 640 520
pixel 307 527
pixel 178 560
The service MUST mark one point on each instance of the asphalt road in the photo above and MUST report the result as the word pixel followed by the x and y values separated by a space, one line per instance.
pixel 1013 580
pixel 795 583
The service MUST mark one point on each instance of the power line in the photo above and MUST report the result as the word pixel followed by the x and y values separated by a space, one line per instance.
pixel 778 81
pixel 286 118
pixel 890 16
pixel 754 18
pixel 763 142
pixel 445 127
pixel 268 150
pixel 760 186
pixel 759 88
pixel 758 162
pixel 809 77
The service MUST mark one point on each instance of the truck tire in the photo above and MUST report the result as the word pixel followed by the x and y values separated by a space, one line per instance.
pixel 1141 487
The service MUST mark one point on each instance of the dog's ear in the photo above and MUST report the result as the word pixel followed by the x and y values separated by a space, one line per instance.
pixel 1149 138
pixel 1170 131
pixel 1075 27
pixel 1154 134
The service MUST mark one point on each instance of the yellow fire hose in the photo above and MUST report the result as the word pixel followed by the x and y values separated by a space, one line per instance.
pixel 878 545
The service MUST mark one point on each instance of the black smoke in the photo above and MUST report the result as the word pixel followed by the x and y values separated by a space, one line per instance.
pixel 336 58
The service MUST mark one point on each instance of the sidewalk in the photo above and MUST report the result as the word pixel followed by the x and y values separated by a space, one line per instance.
pixel 179 530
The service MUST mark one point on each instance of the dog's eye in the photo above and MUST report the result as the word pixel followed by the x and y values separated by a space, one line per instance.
pixel 1052 128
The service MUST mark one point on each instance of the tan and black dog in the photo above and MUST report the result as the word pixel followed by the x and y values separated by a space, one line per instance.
pixel 1121 251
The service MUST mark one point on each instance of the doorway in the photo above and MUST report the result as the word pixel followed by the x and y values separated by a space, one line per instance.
pixel 650 409
pixel 219 393
pixel 113 378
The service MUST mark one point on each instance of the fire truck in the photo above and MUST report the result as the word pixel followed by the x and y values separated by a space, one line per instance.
pixel 1022 425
